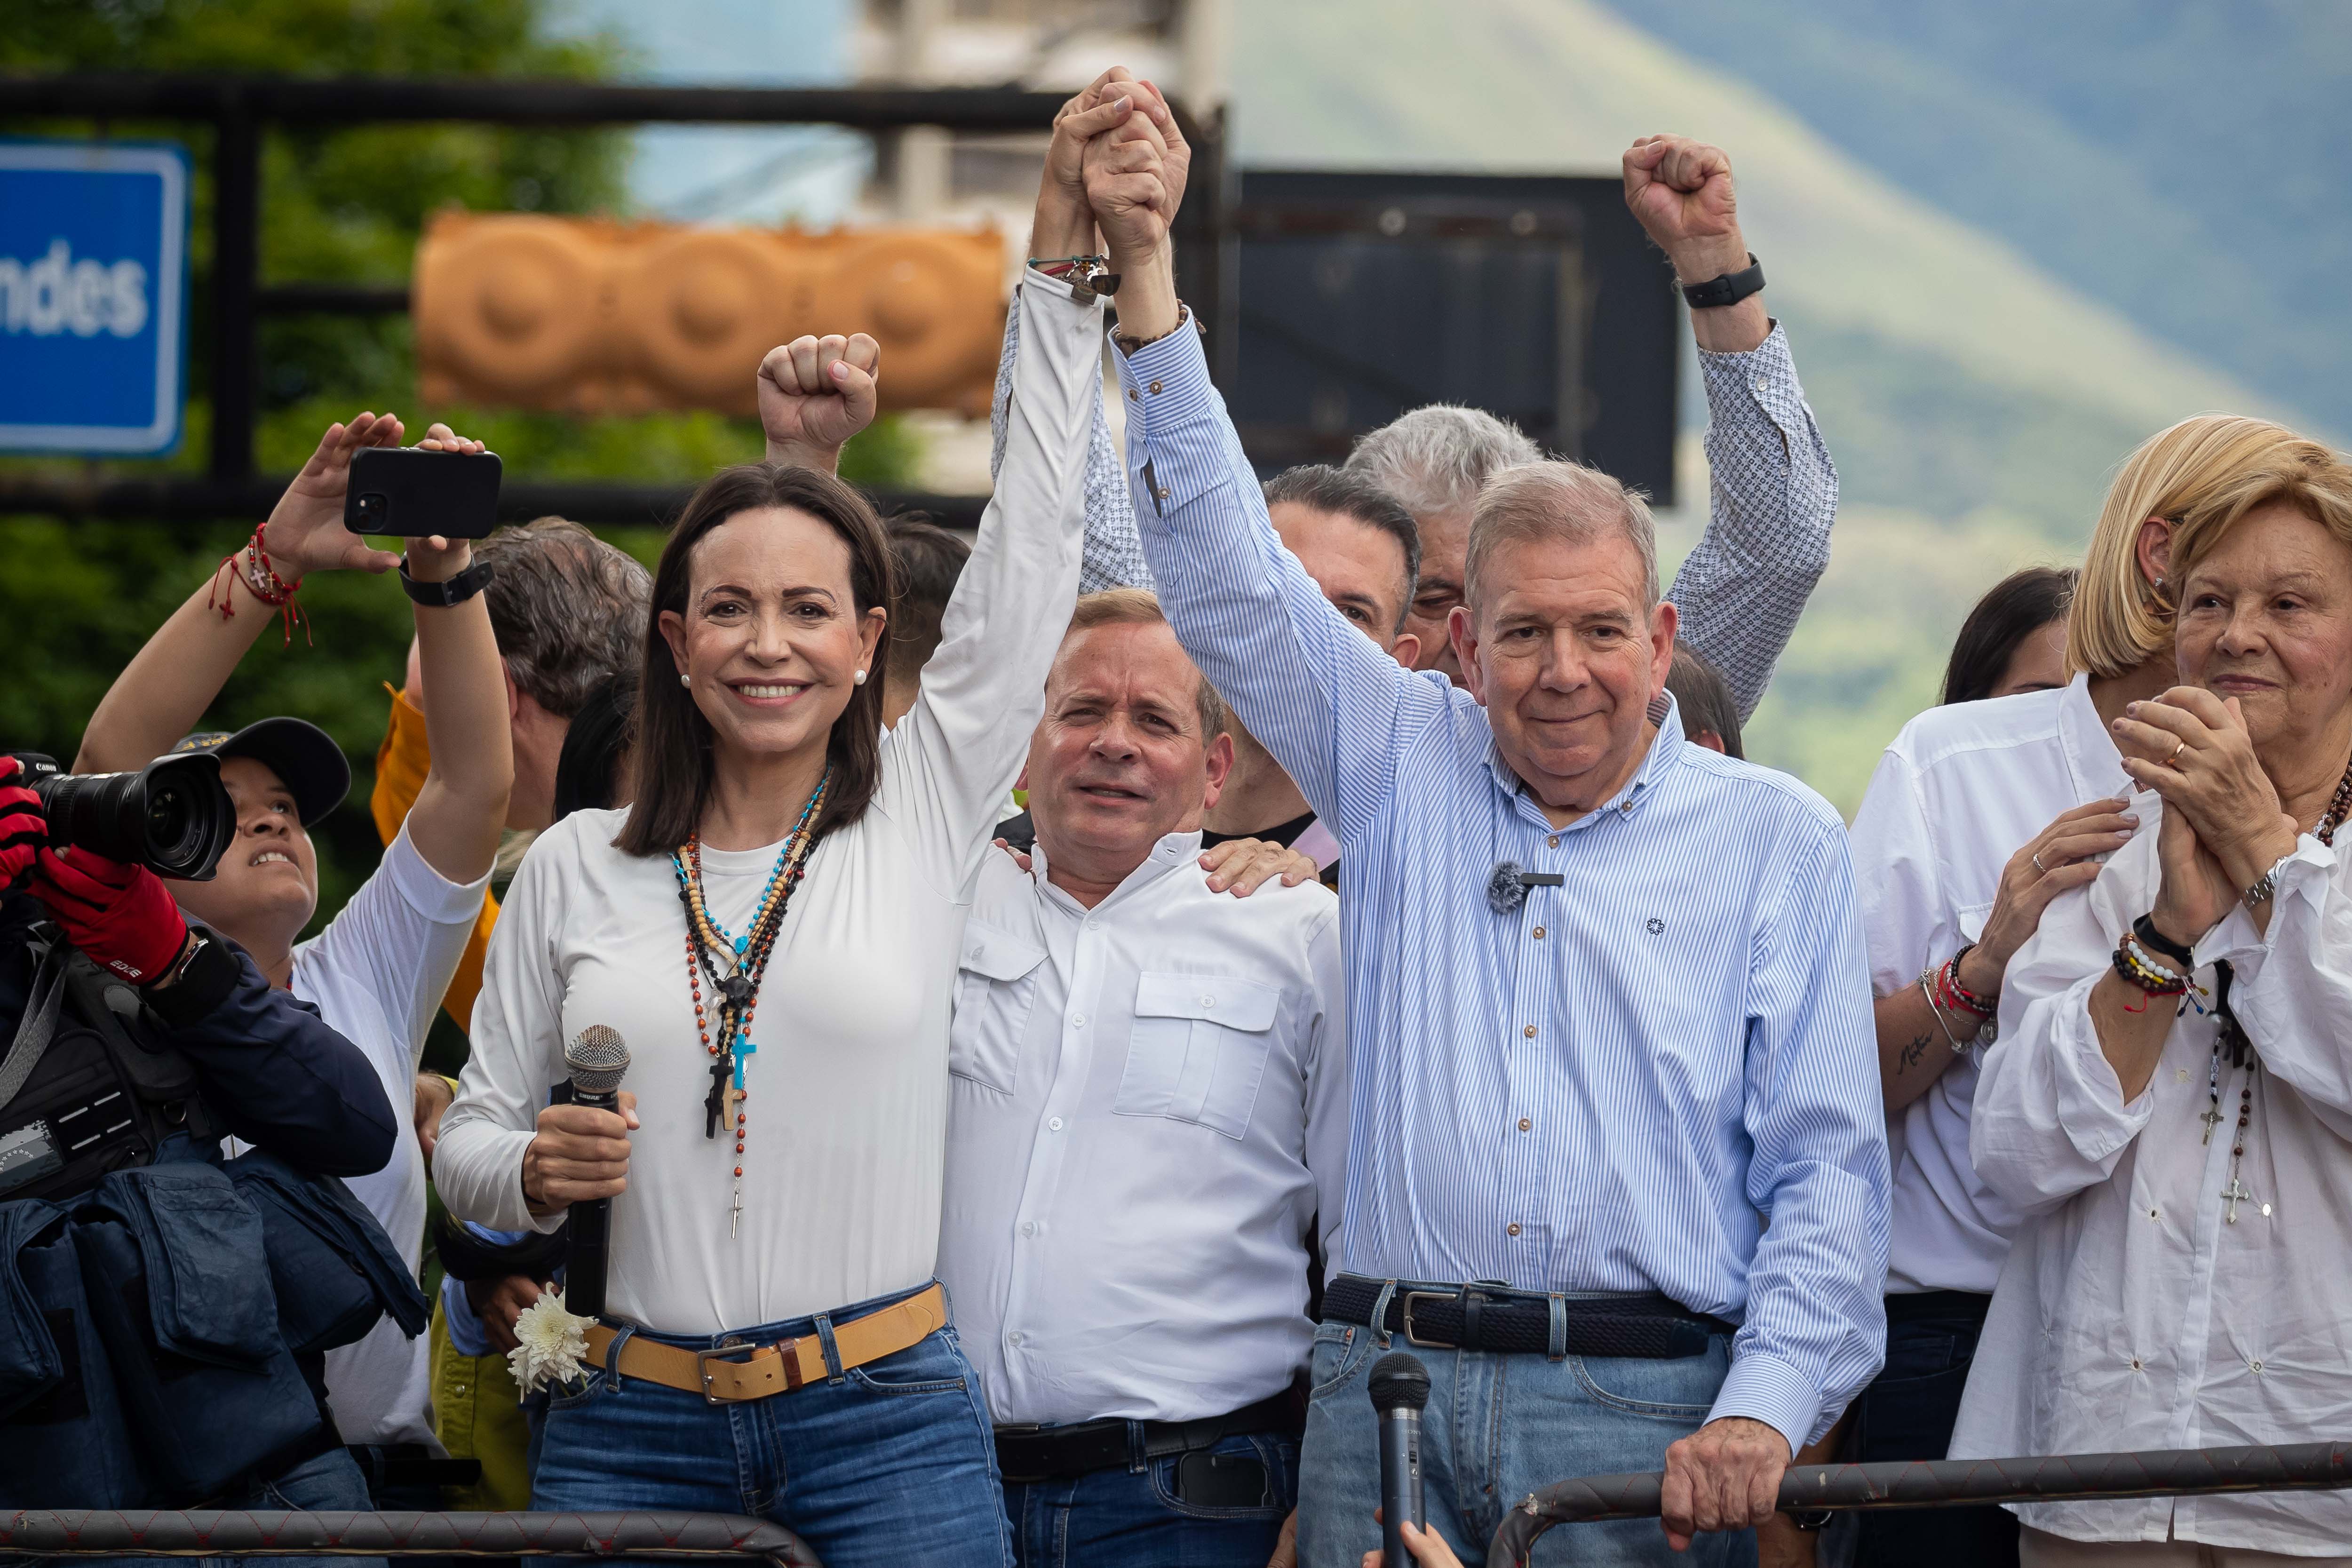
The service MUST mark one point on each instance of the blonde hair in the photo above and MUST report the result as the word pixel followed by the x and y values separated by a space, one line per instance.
pixel 2201 475
pixel 1140 607
pixel 1569 502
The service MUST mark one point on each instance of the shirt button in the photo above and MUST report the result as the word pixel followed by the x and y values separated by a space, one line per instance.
pixel 1133 396
pixel 2151 1214
pixel 2135 1363
pixel 2257 1366
pixel 1208 1001
pixel 1540 934
pixel 1155 389
pixel 1514 1228
pixel 1016 1337
pixel 1077 1020
pixel 1028 1227
pixel 1162 494
pixel 1529 1031
pixel 1056 1124
pixel 1526 1125
pixel 1094 925
pixel 1553 842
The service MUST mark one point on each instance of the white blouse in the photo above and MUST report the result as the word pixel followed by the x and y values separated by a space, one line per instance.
pixel 847 1108
pixel 2132 1312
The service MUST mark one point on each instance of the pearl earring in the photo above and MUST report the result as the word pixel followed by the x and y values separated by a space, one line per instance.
pixel 859 677
pixel 686 680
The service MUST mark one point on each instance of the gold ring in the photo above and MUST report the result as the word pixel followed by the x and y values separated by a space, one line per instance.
pixel 2174 760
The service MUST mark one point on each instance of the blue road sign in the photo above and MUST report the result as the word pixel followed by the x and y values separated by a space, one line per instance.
pixel 93 296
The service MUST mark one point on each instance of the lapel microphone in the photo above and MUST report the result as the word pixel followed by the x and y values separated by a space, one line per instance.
pixel 1507 889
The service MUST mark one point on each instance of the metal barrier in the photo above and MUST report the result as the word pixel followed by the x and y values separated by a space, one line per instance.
pixel 90 1532
pixel 1947 1483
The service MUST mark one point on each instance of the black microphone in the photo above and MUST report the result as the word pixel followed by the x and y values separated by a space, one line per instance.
pixel 1400 1390
pixel 597 1060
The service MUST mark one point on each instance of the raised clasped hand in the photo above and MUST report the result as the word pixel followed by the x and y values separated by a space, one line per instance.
pixel 815 394
pixel 2192 749
pixel 1127 178
pixel 1725 1476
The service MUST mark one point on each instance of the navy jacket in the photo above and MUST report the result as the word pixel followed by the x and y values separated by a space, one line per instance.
pixel 273 1072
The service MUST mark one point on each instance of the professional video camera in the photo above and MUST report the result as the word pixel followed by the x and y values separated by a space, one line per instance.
pixel 172 816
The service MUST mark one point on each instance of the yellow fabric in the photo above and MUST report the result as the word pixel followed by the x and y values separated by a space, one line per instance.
pixel 400 764
pixel 477 1414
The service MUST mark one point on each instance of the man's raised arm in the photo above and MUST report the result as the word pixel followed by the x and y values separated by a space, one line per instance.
pixel 1772 489
pixel 1332 709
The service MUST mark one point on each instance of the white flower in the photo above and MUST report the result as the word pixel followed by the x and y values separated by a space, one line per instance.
pixel 549 1343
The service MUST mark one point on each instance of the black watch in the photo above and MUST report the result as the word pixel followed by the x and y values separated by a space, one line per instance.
pixel 448 594
pixel 1728 289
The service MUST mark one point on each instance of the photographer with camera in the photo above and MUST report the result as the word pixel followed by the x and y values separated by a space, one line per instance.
pixel 133 1042
pixel 378 971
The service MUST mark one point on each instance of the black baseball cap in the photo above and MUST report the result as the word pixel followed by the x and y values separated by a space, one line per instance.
pixel 311 765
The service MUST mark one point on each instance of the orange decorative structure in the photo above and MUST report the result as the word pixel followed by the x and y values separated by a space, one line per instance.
pixel 589 316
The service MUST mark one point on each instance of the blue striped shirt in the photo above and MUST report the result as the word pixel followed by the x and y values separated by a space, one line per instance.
pixel 1611 1088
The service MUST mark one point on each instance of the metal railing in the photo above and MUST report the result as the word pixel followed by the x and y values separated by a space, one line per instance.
pixel 90 1532
pixel 1948 1483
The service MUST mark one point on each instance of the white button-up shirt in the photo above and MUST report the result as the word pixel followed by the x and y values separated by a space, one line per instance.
pixel 1148 1114
pixel 1958 791
pixel 2132 1313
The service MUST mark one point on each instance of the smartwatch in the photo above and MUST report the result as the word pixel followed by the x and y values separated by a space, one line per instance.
pixel 448 594
pixel 1728 289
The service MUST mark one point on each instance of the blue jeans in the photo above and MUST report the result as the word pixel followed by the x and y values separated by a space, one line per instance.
pixel 328 1483
pixel 1497 1428
pixel 1134 1518
pixel 881 1465
pixel 1907 1412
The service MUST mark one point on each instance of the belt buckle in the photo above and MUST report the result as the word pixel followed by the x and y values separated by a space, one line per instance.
pixel 736 1353
pixel 1411 1337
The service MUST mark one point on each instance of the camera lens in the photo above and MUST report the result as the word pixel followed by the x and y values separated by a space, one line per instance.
pixel 172 816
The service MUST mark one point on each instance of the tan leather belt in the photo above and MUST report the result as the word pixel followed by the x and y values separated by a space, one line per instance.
pixel 731 1374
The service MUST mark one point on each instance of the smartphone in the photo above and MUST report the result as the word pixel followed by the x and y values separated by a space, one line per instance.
pixel 403 491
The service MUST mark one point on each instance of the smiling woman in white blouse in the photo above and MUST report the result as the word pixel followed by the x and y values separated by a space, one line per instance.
pixel 772 928
pixel 2170 1100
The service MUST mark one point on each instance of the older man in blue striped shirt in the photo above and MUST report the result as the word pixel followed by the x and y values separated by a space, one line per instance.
pixel 1617 1162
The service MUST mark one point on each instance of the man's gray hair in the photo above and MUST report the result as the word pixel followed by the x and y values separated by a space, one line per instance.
pixel 569 611
pixel 1436 459
pixel 1563 501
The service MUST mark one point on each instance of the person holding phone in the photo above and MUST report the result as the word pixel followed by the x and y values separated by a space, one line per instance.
pixel 377 972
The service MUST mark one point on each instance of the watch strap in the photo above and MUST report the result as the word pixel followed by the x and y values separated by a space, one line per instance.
pixel 450 591
pixel 1728 289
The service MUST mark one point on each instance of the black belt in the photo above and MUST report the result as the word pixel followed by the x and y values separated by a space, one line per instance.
pixel 411 1464
pixel 1485 1316
pixel 1917 1306
pixel 1053 1453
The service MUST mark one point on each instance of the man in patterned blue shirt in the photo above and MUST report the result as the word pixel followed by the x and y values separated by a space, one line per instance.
pixel 1608 1001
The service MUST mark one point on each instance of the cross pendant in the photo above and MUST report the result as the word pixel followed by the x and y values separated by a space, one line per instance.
pixel 2234 1193
pixel 715 1102
pixel 729 1097
pixel 735 1215
pixel 2212 1118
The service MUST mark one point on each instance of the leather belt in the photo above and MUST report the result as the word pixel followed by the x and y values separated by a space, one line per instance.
pixel 1055 1453
pixel 1486 1316
pixel 728 1374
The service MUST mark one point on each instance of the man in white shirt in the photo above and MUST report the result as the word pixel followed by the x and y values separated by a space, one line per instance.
pixel 1146 1130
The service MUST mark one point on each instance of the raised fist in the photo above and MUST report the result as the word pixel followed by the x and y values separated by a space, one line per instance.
pixel 815 394
pixel 1681 192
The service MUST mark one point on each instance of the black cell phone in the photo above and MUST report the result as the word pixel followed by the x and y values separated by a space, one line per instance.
pixel 399 489
pixel 1222 1480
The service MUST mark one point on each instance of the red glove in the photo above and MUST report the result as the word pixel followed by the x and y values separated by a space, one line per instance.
pixel 120 915
pixel 23 829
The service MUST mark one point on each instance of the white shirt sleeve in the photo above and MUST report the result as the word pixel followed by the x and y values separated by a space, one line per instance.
pixel 1328 1089
pixel 958 749
pixel 2049 1117
pixel 401 938
pixel 517 1048
pixel 1896 879
pixel 2294 989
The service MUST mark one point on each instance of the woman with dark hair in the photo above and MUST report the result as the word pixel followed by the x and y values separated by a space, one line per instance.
pixel 2015 639
pixel 779 916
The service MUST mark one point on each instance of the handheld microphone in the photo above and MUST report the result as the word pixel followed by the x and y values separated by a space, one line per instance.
pixel 596 1062
pixel 1400 1390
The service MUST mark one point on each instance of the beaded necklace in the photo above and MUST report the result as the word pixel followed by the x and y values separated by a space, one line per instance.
pixel 735 993
pixel 2231 1037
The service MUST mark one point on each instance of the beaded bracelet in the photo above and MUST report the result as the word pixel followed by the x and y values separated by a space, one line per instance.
pixel 1947 979
pixel 252 563
pixel 2134 963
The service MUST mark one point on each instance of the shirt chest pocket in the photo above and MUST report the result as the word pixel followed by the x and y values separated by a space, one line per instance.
pixel 1198 1049
pixel 996 987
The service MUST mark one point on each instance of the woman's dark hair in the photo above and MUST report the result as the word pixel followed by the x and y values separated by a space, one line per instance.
pixel 1704 698
pixel 2011 610
pixel 672 737
pixel 594 745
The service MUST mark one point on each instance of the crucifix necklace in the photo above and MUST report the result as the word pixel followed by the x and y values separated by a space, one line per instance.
pixel 735 990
